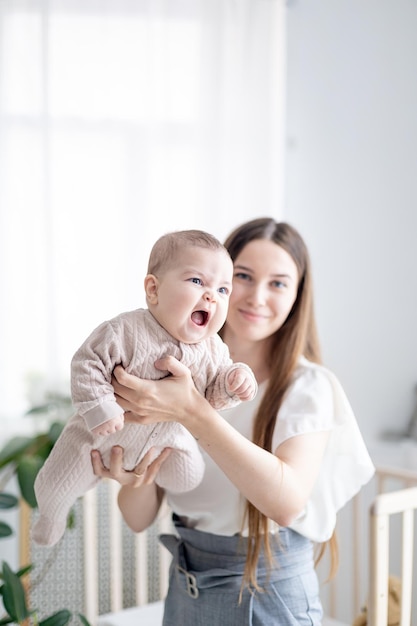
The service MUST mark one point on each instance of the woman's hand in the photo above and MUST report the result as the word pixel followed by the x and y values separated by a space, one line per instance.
pixel 139 497
pixel 143 474
pixel 147 401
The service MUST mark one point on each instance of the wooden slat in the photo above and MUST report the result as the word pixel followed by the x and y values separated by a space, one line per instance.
pixel 378 568
pixel 91 571
pixel 403 502
pixel 116 558
pixel 407 566
pixel 141 558
pixel 25 516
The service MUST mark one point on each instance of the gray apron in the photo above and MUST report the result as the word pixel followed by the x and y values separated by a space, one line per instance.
pixel 206 575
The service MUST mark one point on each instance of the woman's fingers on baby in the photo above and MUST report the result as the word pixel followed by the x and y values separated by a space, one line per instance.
pixel 141 468
pixel 116 463
pixel 145 471
pixel 123 378
pixel 98 467
pixel 172 365
pixel 118 372
pixel 120 391
pixel 149 466
pixel 156 464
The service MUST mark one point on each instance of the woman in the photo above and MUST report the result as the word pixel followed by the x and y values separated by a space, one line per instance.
pixel 278 468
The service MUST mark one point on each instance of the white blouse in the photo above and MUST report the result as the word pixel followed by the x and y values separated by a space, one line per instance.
pixel 314 402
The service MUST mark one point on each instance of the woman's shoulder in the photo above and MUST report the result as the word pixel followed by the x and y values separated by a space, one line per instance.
pixel 317 380
pixel 310 403
pixel 311 378
pixel 311 370
pixel 323 382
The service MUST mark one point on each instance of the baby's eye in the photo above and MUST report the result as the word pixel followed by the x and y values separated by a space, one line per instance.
pixel 224 290
pixel 195 280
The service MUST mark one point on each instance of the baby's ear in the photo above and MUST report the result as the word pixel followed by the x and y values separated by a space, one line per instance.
pixel 151 288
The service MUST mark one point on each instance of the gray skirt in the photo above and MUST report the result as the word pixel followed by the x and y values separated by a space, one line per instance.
pixel 206 575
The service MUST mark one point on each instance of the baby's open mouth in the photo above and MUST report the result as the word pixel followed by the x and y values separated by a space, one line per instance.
pixel 200 317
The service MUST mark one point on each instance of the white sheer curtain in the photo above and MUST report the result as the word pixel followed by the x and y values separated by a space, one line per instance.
pixel 121 120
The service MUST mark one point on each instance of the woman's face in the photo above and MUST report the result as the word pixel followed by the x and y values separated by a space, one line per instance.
pixel 265 282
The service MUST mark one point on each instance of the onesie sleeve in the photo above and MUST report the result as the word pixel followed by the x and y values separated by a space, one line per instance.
pixel 91 370
pixel 222 365
pixel 317 402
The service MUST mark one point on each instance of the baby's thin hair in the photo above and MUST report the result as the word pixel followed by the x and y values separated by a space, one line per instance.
pixel 166 249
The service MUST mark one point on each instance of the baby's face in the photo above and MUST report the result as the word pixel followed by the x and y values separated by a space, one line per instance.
pixel 193 296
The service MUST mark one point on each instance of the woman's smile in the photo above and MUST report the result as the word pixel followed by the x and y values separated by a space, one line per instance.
pixel 252 316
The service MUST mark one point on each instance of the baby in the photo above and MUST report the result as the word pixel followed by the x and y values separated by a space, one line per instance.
pixel 187 289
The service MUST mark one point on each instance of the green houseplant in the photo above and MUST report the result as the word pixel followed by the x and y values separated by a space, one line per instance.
pixel 23 457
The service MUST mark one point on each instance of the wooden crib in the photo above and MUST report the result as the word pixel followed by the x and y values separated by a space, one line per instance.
pixel 151 560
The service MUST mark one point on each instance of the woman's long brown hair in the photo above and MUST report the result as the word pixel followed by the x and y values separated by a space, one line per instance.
pixel 296 337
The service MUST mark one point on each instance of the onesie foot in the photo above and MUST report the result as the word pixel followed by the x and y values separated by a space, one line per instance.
pixel 47 532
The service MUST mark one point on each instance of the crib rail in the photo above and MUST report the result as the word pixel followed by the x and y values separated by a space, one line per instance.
pixel 384 478
pixel 101 597
pixel 356 535
pixel 141 556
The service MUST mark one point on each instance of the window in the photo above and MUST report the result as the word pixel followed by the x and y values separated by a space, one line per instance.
pixel 120 121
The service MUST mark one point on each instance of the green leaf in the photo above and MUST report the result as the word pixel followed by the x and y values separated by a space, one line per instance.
pixel 8 501
pixel 5 530
pixel 20 572
pixel 6 620
pixel 13 449
pixel 41 446
pixel 24 570
pixel 71 519
pixel 40 408
pixel 84 620
pixel 55 431
pixel 27 470
pixel 14 599
pixel 57 619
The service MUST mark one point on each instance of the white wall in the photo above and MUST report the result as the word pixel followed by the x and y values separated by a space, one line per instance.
pixel 352 191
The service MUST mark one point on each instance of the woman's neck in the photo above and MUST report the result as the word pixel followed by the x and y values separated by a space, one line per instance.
pixel 253 353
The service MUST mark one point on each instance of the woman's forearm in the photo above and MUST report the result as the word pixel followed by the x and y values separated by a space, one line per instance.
pixel 278 484
pixel 139 506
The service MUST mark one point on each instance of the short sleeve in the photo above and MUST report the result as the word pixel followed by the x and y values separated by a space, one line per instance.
pixel 307 407
pixel 316 401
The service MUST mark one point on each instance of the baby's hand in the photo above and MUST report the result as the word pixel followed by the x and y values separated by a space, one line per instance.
pixel 110 427
pixel 241 383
